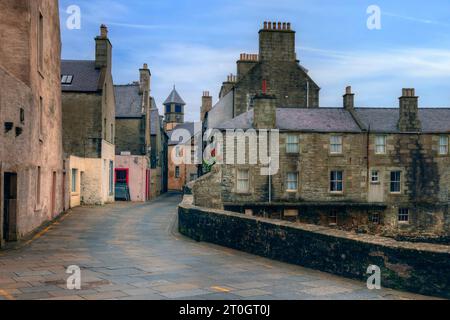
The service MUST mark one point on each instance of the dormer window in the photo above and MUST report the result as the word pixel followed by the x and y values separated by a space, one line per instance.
pixel 66 79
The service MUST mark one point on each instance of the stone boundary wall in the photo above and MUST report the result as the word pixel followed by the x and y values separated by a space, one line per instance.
pixel 416 267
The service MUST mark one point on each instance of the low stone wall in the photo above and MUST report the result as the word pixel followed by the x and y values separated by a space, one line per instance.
pixel 416 267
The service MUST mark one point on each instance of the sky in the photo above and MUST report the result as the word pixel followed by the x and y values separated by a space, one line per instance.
pixel 194 44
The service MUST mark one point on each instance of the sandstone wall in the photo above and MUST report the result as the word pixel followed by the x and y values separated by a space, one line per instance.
pixel 415 267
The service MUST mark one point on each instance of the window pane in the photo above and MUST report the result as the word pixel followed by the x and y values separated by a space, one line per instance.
pixel 443 145
pixel 336 181
pixel 243 180
pixel 292 144
pixel 403 215
pixel 292 181
pixel 380 142
pixel 336 144
pixel 74 180
pixel 395 181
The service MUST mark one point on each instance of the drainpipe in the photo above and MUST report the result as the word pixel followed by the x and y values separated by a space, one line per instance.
pixel 270 180
pixel 307 93
pixel 368 161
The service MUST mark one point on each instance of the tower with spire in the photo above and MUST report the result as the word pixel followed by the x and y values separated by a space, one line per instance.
pixel 173 110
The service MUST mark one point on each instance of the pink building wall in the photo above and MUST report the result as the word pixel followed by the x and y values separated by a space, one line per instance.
pixel 137 167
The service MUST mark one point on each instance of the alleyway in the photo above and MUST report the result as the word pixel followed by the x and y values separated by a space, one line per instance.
pixel 133 251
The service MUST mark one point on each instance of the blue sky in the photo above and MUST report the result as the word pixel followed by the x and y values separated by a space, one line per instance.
pixel 194 44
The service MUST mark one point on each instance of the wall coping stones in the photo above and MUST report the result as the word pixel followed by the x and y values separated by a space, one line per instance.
pixel 366 238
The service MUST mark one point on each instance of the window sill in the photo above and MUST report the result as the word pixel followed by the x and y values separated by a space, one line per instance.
pixel 242 193
pixel 291 191
pixel 336 154
pixel 395 193
pixel 376 183
pixel 336 193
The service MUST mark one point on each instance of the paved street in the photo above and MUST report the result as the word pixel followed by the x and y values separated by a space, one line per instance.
pixel 133 251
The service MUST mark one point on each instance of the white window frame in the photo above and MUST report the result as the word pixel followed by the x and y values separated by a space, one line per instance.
pixel 399 182
pixel 403 216
pixel 333 217
pixel 66 79
pixel 292 144
pixel 375 177
pixel 243 175
pixel 443 145
pixel 74 187
pixel 380 146
pixel 336 144
pixel 336 181
pixel 292 178
pixel 375 218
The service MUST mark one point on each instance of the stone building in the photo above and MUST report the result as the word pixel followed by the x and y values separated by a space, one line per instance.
pixel 133 136
pixel 184 155
pixel 384 171
pixel 277 66
pixel 32 176
pixel 88 105
pixel 159 141
pixel 173 110
pixel 371 170
pixel 139 145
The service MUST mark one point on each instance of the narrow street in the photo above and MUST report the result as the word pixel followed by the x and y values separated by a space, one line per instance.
pixel 133 251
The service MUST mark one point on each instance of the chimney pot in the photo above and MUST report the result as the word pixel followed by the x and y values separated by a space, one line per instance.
pixel 274 25
pixel 284 25
pixel 289 26
pixel 279 25
pixel 265 24
pixel 103 31
pixel 348 90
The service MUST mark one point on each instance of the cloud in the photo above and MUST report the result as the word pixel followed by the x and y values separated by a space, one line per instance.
pixel 418 20
pixel 379 75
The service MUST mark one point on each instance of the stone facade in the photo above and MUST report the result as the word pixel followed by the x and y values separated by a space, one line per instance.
pixel 89 126
pixel 371 198
pixel 32 176
pixel 416 267
pixel 277 66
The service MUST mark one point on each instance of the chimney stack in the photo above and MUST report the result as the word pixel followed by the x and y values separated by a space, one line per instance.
pixel 144 81
pixel 264 109
pixel 245 63
pixel 409 120
pixel 206 105
pixel 277 42
pixel 349 99
pixel 103 49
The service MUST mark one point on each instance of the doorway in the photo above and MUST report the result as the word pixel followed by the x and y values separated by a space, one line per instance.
pixel 9 206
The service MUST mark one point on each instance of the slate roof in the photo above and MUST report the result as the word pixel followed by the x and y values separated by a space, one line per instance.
pixel 128 101
pixel 155 121
pixel 308 120
pixel 384 120
pixel 194 128
pixel 175 98
pixel 85 76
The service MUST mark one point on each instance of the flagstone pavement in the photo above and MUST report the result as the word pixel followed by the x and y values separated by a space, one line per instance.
pixel 133 251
